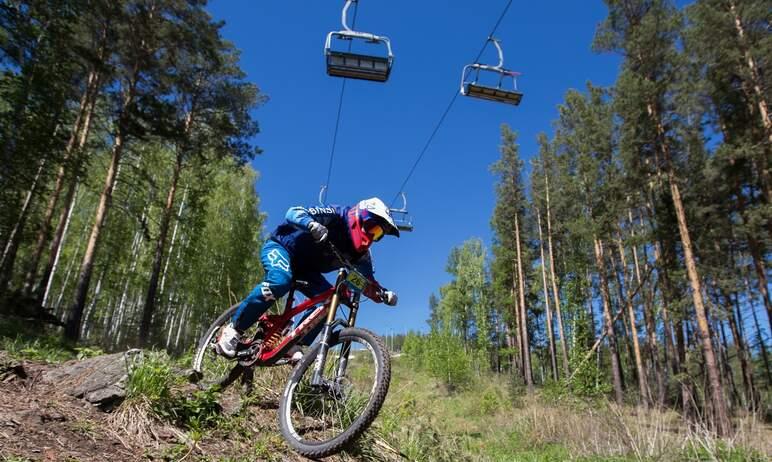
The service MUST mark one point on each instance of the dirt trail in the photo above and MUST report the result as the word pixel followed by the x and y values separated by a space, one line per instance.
pixel 39 422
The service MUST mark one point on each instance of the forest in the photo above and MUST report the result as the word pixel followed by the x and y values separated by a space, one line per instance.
pixel 630 257
pixel 129 211
pixel 633 259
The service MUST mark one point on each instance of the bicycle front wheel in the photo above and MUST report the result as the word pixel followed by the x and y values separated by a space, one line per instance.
pixel 318 420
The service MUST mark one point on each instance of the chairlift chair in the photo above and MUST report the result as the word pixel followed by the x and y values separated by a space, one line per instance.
pixel 471 86
pixel 401 217
pixel 356 65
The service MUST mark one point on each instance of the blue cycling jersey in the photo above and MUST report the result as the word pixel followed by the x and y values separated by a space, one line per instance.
pixel 306 254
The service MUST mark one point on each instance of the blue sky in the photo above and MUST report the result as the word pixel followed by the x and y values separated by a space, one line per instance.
pixel 384 126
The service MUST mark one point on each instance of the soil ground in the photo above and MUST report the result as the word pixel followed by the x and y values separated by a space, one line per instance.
pixel 39 423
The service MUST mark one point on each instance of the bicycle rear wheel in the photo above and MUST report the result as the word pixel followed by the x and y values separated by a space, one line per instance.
pixel 210 367
pixel 319 420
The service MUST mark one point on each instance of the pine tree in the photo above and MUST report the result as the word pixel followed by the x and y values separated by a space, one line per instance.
pixel 510 207
pixel 646 32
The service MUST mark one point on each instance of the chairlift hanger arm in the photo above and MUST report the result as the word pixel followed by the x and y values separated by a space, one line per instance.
pixel 322 194
pixel 495 41
pixel 401 217
pixel 348 33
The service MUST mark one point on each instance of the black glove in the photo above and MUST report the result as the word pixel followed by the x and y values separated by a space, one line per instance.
pixel 318 231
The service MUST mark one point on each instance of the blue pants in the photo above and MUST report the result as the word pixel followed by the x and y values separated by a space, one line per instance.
pixel 276 283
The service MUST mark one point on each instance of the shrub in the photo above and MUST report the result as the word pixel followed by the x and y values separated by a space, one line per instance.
pixel 413 349
pixel 490 402
pixel 447 361
pixel 442 355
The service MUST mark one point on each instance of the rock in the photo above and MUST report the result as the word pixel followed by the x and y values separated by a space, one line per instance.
pixel 51 415
pixel 10 369
pixel 99 380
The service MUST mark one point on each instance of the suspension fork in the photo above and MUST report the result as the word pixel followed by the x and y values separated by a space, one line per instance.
pixel 324 348
pixel 352 317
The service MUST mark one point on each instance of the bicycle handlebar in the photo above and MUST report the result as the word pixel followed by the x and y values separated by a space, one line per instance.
pixel 350 266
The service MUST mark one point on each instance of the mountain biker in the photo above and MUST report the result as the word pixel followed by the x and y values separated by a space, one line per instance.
pixel 294 251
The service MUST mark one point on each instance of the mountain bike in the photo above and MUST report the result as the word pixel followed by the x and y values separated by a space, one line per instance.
pixel 338 387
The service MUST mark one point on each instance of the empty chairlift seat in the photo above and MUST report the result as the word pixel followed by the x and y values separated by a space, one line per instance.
pixel 357 65
pixel 497 93
pixel 471 81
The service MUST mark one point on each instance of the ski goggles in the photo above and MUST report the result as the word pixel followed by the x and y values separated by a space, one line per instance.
pixel 374 231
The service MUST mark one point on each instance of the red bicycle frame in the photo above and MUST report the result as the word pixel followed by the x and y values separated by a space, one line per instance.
pixel 275 343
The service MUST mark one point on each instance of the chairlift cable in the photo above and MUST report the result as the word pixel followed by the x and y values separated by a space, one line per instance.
pixel 447 109
pixel 337 119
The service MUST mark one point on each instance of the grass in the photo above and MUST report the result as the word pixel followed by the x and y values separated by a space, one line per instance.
pixel 490 421
pixel 487 420
pixel 21 340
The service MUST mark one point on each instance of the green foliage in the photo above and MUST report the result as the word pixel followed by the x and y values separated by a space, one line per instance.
pixel 196 412
pixel 490 402
pixel 722 451
pixel 88 352
pixel 443 356
pixel 412 349
pixel 153 380
pixel 48 348
pixel 588 380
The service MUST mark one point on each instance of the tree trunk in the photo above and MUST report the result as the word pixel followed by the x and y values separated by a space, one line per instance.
pixel 55 258
pixel 76 142
pixel 643 385
pixel 724 364
pixel 149 308
pixel 165 272
pixel 623 337
pixel 72 328
pixel 550 334
pixel 616 369
pixel 742 353
pixel 516 327
pixel 57 242
pixel 649 318
pixel 14 239
pixel 70 266
pixel 523 312
pixel 753 69
pixel 555 292
pixel 760 340
pixel 722 423
pixel 761 275
pixel 756 251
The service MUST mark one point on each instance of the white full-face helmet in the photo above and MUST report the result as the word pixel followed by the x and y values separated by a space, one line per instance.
pixel 369 221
